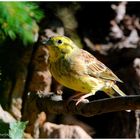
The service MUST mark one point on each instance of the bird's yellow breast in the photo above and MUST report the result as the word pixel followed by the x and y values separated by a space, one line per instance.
pixel 64 72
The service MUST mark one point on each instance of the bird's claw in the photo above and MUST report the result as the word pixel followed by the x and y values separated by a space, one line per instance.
pixel 82 100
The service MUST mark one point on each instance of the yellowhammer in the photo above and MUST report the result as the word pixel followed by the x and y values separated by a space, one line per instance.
pixel 77 69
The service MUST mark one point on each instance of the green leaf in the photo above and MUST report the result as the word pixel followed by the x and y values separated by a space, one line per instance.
pixel 16 130
pixel 18 20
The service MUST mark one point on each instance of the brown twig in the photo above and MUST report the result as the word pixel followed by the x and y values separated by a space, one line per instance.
pixel 95 107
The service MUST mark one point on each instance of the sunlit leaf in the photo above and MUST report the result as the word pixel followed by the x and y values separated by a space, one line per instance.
pixel 19 20
pixel 16 130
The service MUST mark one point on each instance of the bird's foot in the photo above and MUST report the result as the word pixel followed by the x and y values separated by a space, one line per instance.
pixel 82 98
pixel 74 97
pixel 82 101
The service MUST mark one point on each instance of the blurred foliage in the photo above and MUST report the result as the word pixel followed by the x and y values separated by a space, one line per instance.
pixel 16 130
pixel 19 20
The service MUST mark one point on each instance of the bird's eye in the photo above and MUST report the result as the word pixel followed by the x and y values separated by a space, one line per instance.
pixel 59 41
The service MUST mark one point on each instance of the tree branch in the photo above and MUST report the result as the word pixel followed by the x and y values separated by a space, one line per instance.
pixel 95 107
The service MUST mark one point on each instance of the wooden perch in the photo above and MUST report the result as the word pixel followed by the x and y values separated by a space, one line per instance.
pixel 95 107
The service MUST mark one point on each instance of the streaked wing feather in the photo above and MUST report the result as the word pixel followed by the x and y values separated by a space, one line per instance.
pixel 98 69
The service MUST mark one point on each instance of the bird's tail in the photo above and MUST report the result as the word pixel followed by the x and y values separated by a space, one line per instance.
pixel 113 90
pixel 116 88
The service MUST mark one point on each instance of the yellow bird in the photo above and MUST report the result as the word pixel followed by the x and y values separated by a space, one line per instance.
pixel 77 69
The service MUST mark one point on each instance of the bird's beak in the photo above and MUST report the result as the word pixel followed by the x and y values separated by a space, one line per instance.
pixel 46 41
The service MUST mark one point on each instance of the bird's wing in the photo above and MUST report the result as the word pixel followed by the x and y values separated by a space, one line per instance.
pixel 96 68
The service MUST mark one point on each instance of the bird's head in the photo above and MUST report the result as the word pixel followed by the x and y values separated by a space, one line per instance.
pixel 59 46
